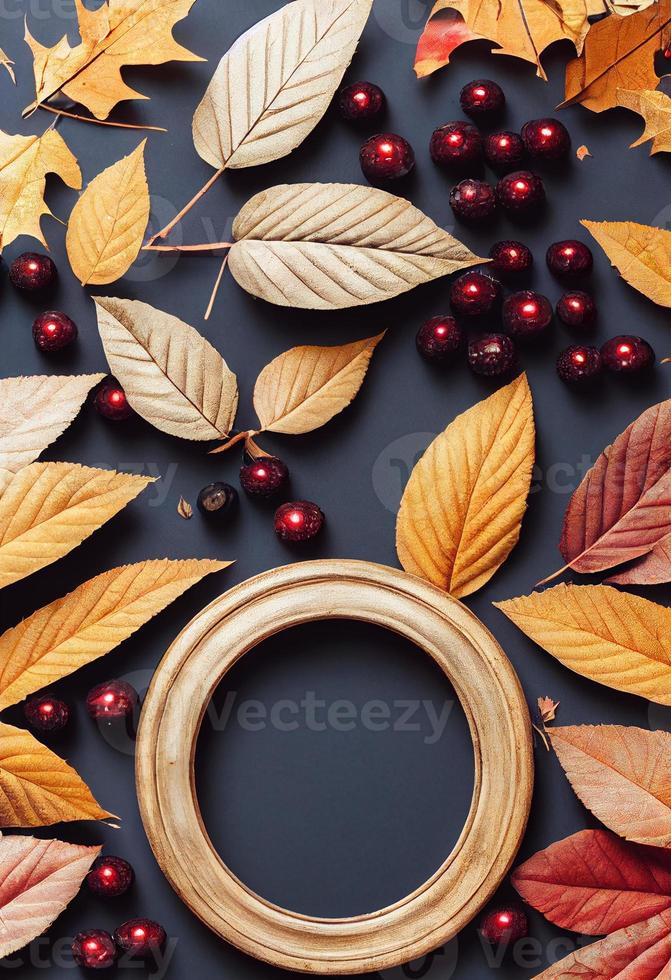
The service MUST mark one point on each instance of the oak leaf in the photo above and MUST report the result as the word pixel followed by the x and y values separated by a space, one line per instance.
pixel 38 879
pixel 655 107
pixel 48 509
pixel 120 33
pixel 108 222
pixel 25 162
pixel 330 246
pixel 34 411
pixel 172 376
pixel 461 512
pixel 640 253
pixel 276 82
pixel 611 637
pixel 623 775
pixel 7 63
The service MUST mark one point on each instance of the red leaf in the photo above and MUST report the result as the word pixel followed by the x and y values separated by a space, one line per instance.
pixel 441 37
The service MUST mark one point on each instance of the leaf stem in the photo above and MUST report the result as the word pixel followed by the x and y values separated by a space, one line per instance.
pixel 212 247
pixel 164 232
pixel 254 449
pixel 97 122
pixel 217 284
pixel 240 437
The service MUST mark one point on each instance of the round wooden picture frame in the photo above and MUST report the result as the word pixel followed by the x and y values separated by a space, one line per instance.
pixel 491 697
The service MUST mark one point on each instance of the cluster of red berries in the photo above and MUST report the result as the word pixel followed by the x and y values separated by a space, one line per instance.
pixel 110 701
pixel 33 272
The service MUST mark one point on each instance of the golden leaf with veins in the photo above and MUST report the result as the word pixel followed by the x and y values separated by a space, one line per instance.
pixel 461 512
pixel 25 162
pixel 118 34
pixel 655 107
pixel 640 253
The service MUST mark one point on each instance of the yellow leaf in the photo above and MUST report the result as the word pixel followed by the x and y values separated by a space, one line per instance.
pixel 50 508
pixel 24 163
pixel 305 387
pixel 184 509
pixel 108 222
pixel 6 62
pixel 655 107
pixel 34 411
pixel 118 34
pixel 614 638
pixel 37 788
pixel 461 513
pixel 90 622
pixel 640 253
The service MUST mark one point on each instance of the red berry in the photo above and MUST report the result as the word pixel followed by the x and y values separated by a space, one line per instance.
pixel 440 339
pixel 520 191
pixel 32 272
pixel 504 151
pixel 360 100
pixel 457 145
pixel 140 938
pixel 386 157
pixel 94 949
pixel 474 293
pixel 526 314
pixel 112 700
pixel 546 139
pixel 578 364
pixel 54 331
pixel 264 477
pixel 569 258
pixel 627 355
pixel 111 402
pixel 576 309
pixel 473 200
pixel 510 258
pixel 492 354
pixel 300 520
pixel 218 500
pixel 46 713
pixel 110 876
pixel 504 925
pixel 482 98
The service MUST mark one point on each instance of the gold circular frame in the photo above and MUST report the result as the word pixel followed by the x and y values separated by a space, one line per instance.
pixel 491 697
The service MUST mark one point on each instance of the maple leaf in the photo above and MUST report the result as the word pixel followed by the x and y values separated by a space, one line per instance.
pixel 119 34
pixel 24 163
pixel 655 108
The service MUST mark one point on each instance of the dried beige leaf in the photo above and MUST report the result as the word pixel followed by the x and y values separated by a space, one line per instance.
pixel 38 879
pixel 25 162
pixel 6 62
pixel 305 387
pixel 34 411
pixel 548 709
pixel 655 108
pixel 108 222
pixel 461 513
pixel 640 253
pixel 184 509
pixel 90 622
pixel 330 246
pixel 276 82
pixel 582 152
pixel 37 788
pixel 48 509
pixel 172 376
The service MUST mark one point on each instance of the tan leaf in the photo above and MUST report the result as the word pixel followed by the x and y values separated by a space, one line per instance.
pixel 34 411
pixel 582 152
pixel 640 253
pixel 108 222
pixel 37 788
pixel 330 246
pixel 38 879
pixel 276 82
pixel 184 509
pixel 628 7
pixel 50 508
pixel 90 622
pixel 547 709
pixel 118 34
pixel 24 163
pixel 623 775
pixel 655 107
pixel 6 62
pixel 611 637
pixel 172 376
pixel 305 387
pixel 461 513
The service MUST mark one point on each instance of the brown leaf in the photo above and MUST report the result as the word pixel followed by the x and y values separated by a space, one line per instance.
pixel 184 509
pixel 640 253
pixel 38 879
pixel 652 569
pixel 7 63
pixel 461 513
pixel 582 152
pixel 641 951
pixel 548 709
pixel 655 107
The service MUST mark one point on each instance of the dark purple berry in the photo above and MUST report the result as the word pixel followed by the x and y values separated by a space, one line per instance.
pixel 300 520
pixel 218 500
pixel 492 354
pixel 360 100
pixel 140 938
pixel 473 200
pixel 510 258
pixel 526 314
pixel 94 949
pixel 569 258
pixel 520 191
pixel 32 272
pixel 386 157
pixel 474 293
pixel 577 309
pixel 504 151
pixel 456 145
pixel 110 876
pixel 627 355
pixel 54 330
pixel 112 700
pixel 264 477
pixel 111 402
pixel 482 98
pixel 546 139
pixel 440 339
pixel 579 364
pixel 46 713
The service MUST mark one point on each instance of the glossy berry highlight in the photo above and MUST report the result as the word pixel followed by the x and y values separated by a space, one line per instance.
pixel 111 402
pixel 440 339
pixel 45 713
pixel 33 272
pixel 474 294
pixel 510 258
pixel 140 938
pixel 526 314
pixel 546 139
pixel 503 926
pixel 386 157
pixel 492 355
pixel 504 151
pixel 360 101
pixel 579 364
pixel 520 192
pixel 627 355
pixel 112 700
pixel 53 331
pixel 218 501
pixel 264 477
pixel 473 200
pixel 569 258
pixel 110 877
pixel 577 309
pixel 482 97
pixel 456 146
pixel 94 950
pixel 298 521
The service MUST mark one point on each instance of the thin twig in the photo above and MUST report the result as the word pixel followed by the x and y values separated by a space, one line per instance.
pixel 164 232
pixel 213 247
pixel 98 122
pixel 217 284
pixel 254 450
pixel 240 437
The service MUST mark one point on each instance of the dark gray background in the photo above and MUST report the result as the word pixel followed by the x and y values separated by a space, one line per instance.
pixel 325 822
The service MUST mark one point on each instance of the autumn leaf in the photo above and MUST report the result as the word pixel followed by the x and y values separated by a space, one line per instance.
pixel 48 509
pixel 458 537
pixel 623 775
pixel 330 246
pixel 25 162
pixel 640 951
pixel 184 509
pixel 640 253
pixel 7 63
pixel 34 411
pixel 120 33
pixel 38 879
pixel 108 223
pixel 655 107
pixel 523 29
pixel 582 152
pixel 611 637
pixel 547 709
pixel 172 376
pixel 654 568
